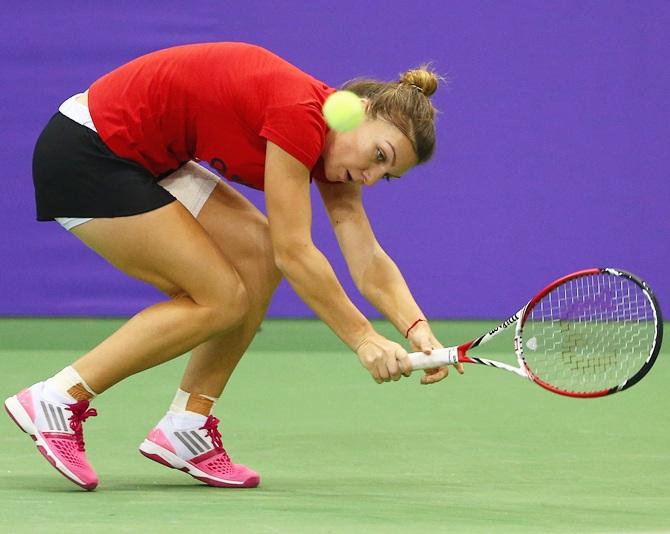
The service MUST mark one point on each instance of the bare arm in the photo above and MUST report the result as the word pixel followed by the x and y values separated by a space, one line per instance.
pixel 309 272
pixel 375 274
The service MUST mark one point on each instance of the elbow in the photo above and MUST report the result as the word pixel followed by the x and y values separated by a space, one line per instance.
pixel 359 281
pixel 365 275
pixel 375 277
pixel 366 282
pixel 368 289
pixel 282 263
pixel 286 257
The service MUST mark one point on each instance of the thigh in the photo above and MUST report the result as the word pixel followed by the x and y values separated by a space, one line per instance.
pixel 165 247
pixel 242 234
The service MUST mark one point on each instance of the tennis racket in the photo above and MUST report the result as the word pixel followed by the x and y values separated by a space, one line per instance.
pixel 588 334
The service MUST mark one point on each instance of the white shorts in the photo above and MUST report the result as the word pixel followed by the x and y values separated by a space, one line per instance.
pixel 191 184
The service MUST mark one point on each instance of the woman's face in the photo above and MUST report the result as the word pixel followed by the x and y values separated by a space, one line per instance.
pixel 375 150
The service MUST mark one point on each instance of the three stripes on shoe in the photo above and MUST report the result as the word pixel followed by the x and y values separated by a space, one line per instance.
pixel 58 422
pixel 193 441
pixel 55 418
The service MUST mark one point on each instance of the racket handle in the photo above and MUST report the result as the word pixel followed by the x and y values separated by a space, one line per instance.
pixel 438 358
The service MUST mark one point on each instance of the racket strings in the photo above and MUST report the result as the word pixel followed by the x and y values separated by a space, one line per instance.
pixel 590 333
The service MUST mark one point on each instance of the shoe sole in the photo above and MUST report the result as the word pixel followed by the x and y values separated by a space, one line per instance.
pixel 21 418
pixel 164 457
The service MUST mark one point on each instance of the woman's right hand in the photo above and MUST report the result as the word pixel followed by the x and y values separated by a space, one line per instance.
pixel 384 359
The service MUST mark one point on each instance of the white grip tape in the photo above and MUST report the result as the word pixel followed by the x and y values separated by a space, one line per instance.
pixel 438 358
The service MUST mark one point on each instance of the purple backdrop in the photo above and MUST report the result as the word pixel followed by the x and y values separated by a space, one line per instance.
pixel 553 139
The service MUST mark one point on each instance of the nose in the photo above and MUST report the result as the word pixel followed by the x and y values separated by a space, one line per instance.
pixel 372 176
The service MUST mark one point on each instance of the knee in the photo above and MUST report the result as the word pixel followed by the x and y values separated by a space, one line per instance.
pixel 229 310
pixel 239 303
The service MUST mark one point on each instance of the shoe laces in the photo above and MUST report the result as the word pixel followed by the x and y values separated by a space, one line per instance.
pixel 212 427
pixel 80 412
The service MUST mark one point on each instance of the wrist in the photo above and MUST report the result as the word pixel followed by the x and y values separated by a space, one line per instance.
pixel 361 335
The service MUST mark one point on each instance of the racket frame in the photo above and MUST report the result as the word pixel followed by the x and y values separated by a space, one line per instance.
pixel 458 353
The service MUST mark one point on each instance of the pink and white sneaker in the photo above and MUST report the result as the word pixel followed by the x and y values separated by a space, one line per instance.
pixel 197 451
pixel 56 429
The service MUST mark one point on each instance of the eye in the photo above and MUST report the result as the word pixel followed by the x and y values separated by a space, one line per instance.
pixel 380 155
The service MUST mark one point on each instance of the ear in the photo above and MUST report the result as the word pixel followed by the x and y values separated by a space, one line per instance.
pixel 366 104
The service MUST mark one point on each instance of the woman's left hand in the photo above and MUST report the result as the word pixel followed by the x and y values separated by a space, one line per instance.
pixel 421 338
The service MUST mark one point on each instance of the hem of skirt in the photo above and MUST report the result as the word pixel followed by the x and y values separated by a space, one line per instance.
pixel 89 215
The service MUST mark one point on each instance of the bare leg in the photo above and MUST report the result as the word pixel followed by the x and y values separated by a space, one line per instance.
pixel 169 249
pixel 241 232
pixel 212 363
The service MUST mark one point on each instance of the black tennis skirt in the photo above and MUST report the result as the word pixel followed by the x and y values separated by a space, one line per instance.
pixel 76 175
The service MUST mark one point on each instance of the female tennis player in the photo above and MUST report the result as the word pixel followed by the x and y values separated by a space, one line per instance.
pixel 109 167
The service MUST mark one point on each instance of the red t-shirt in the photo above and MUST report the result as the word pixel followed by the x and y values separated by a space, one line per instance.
pixel 215 102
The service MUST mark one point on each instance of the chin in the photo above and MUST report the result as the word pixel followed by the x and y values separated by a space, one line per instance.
pixel 328 173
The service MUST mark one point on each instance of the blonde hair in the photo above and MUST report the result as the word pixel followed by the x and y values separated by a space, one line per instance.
pixel 406 104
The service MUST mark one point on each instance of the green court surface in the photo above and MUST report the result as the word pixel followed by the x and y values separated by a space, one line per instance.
pixel 484 452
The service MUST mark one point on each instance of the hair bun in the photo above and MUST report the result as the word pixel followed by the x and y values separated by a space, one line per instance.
pixel 423 78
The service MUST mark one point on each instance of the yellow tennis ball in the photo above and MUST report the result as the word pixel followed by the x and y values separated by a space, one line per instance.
pixel 344 111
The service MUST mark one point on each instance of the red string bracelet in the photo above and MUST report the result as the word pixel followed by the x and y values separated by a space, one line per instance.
pixel 412 326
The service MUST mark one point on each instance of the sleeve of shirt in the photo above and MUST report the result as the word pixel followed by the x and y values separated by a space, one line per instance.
pixel 299 129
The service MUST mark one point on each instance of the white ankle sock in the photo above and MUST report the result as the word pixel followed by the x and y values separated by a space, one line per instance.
pixel 186 418
pixel 67 387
